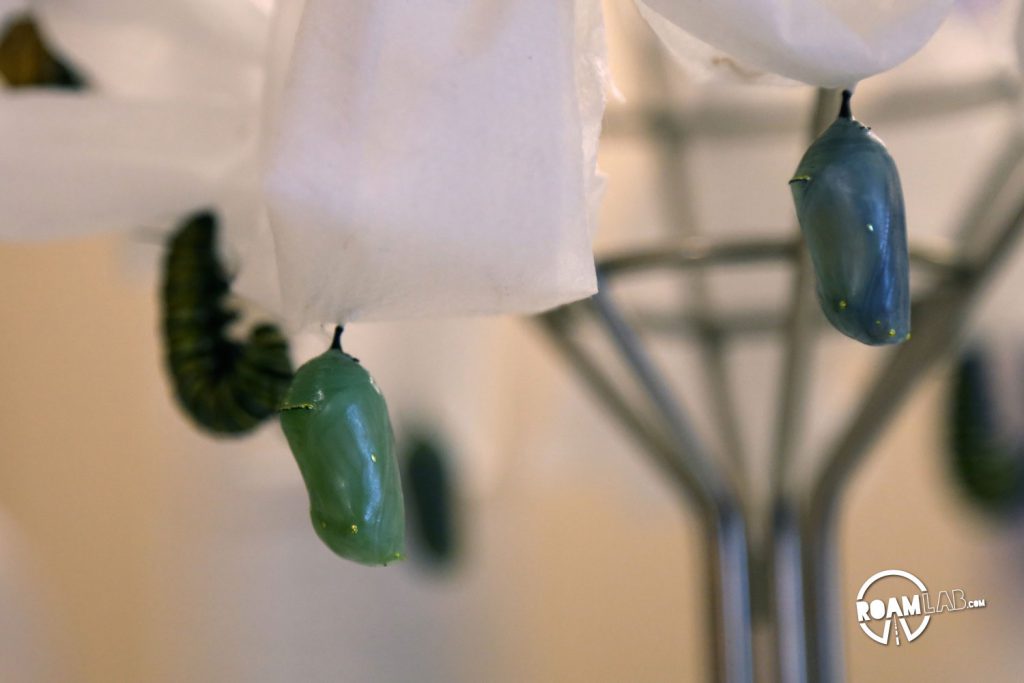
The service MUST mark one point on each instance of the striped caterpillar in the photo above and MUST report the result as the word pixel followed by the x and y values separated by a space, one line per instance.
pixel 225 386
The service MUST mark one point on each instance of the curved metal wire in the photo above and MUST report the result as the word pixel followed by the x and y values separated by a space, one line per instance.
pixel 934 254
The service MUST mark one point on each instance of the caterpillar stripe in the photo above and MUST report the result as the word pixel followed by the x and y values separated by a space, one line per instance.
pixel 225 386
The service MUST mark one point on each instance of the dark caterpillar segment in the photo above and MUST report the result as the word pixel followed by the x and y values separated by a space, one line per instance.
pixel 227 387
pixel 27 61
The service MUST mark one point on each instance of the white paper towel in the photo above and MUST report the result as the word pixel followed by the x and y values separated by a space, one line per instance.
pixel 428 159
pixel 83 164
pixel 11 8
pixel 829 43
pixel 437 158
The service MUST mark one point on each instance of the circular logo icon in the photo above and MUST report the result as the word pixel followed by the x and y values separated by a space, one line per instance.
pixel 885 613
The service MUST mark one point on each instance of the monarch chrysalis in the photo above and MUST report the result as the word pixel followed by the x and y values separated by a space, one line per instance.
pixel 850 207
pixel 227 387
pixel 26 60
pixel 337 425
pixel 429 482
pixel 988 461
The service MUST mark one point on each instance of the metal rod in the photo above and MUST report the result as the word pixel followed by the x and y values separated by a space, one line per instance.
pixel 700 252
pixel 799 343
pixel 730 325
pixel 725 532
pixel 720 502
pixel 979 212
pixel 721 508
pixel 712 481
pixel 935 327
pixel 713 345
pixel 787 592
pixel 656 446
pixel 725 538
pixel 729 568
pixel 675 192
pixel 782 536
pixel 984 266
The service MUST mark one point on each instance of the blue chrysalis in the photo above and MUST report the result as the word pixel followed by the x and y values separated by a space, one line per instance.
pixel 850 207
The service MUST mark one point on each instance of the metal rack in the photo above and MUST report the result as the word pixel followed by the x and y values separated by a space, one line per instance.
pixel 791 541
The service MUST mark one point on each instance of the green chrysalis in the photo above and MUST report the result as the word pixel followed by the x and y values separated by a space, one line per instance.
pixel 337 425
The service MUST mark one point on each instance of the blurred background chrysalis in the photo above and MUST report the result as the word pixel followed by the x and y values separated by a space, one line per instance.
pixel 26 60
pixel 430 499
pixel 986 444
pixel 850 207
pixel 226 386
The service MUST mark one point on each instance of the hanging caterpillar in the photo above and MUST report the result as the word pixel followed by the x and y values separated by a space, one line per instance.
pixel 337 425
pixel 27 61
pixel 988 463
pixel 227 387
pixel 850 207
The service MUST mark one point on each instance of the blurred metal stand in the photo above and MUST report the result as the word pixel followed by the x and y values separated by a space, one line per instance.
pixel 795 561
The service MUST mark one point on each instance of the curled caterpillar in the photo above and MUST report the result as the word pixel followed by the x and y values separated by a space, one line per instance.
pixel 225 386
pixel 337 425
pixel 850 207
pixel 27 61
